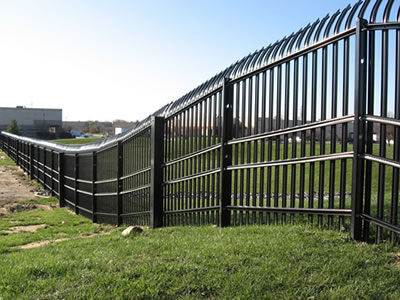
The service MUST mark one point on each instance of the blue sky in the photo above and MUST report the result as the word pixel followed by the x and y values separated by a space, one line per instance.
pixel 106 60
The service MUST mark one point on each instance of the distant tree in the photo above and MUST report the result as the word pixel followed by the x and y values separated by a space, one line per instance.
pixel 14 128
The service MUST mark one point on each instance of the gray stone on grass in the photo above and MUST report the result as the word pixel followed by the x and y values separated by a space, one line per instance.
pixel 128 231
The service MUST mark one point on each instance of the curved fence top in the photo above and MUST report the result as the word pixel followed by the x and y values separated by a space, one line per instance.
pixel 339 22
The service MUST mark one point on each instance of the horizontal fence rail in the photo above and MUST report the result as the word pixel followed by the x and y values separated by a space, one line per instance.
pixel 306 129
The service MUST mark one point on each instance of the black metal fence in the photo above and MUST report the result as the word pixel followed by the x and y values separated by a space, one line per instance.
pixel 304 129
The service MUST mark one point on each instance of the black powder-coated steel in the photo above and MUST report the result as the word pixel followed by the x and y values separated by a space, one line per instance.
pixel 275 134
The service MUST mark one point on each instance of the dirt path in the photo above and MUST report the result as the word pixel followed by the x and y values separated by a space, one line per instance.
pixel 15 186
pixel 46 242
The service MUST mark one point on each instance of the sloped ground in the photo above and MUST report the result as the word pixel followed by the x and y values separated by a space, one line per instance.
pixel 52 254
pixel 16 189
pixel 15 185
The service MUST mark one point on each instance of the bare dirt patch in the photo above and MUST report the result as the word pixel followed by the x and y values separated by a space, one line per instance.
pixel 18 207
pixel 47 242
pixel 41 243
pixel 15 185
pixel 28 228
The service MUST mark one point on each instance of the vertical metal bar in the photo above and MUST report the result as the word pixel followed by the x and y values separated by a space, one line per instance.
pixel 332 164
pixel 186 162
pixel 256 143
pixel 303 133
pixel 60 177
pixel 242 156
pixel 294 136
pixel 370 129
pixel 396 150
pixel 120 174
pixel 201 125
pixel 157 140
pixel 383 135
pixel 184 136
pixel 345 105
pixel 200 164
pixel 214 131
pixel 249 144
pixel 31 161
pixel 286 140
pixel 196 129
pixel 168 170
pixel 175 169
pixel 263 120
pixel 209 124
pixel 322 133
pixel 197 163
pixel 94 179
pixel 359 128
pixel 37 176
pixel 76 185
pixel 278 139
pixel 52 172
pixel 204 157
pixel 314 76
pixel 17 160
pixel 178 166
pixel 218 153
pixel 191 163
pixel 226 152
pixel 270 128
pixel 44 168
pixel 236 147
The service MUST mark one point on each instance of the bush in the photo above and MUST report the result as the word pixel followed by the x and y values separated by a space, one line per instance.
pixel 14 128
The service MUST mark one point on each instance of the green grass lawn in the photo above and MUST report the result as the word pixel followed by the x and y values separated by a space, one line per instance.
pixel 5 160
pixel 252 262
pixel 79 141
pixel 249 262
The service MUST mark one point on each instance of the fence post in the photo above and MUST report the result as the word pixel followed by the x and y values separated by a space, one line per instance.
pixel 156 175
pixel 94 179
pixel 31 161
pixel 226 152
pixel 61 179
pixel 8 147
pixel 76 174
pixel 120 160
pixel 44 169
pixel 359 129
pixel 52 171
pixel 17 153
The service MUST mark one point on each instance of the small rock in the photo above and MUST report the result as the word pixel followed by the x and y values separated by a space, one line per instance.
pixel 63 222
pixel 131 229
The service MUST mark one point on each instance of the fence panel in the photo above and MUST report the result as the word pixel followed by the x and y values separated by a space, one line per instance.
pixel 192 163
pixel 136 179
pixel 286 124
pixel 382 117
pixel 306 128
pixel 107 186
